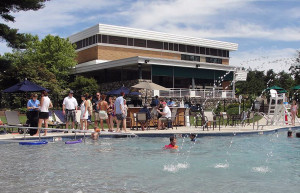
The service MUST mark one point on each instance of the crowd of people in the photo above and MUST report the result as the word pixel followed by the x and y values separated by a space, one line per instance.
pixel 112 110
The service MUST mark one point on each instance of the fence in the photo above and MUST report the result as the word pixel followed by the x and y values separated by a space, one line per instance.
pixel 200 93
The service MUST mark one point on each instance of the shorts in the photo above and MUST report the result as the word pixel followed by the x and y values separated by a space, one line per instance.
pixel 120 117
pixel 163 119
pixel 70 115
pixel 89 118
pixel 97 118
pixel 103 115
pixel 44 115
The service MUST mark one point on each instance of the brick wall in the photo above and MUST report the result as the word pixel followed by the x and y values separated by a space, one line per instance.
pixel 87 55
pixel 115 53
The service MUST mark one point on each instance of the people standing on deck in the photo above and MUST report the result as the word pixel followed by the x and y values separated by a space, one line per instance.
pixel 111 114
pixel 84 112
pixel 294 111
pixel 69 109
pixel 90 110
pixel 44 111
pixel 119 111
pixel 165 115
pixel 95 105
pixel 102 107
pixel 33 113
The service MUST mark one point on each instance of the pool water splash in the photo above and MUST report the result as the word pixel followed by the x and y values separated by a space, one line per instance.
pixel 173 168
pixel 222 165
pixel 261 169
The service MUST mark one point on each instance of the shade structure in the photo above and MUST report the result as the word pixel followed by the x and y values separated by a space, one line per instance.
pixel 118 91
pixel 296 87
pixel 149 86
pixel 25 86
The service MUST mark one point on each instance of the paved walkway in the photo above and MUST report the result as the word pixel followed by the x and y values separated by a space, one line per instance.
pixel 228 130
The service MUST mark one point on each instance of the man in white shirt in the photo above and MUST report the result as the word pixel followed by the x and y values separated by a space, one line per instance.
pixel 69 109
pixel 166 114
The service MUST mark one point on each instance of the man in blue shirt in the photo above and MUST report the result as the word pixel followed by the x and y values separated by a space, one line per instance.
pixel 171 103
pixel 33 113
pixel 120 112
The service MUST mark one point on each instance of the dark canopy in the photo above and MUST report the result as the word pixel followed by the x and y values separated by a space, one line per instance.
pixel 118 91
pixel 296 87
pixel 25 86
pixel 277 88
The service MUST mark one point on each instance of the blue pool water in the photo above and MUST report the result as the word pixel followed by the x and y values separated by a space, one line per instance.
pixel 259 163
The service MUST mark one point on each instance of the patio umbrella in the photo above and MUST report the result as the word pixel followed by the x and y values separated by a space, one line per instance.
pixel 118 91
pixel 149 86
pixel 296 87
pixel 25 86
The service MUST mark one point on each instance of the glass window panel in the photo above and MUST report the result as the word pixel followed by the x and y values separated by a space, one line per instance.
pixel 99 38
pixel 197 50
pixel 139 43
pixel 104 38
pixel 171 46
pixel 207 51
pixel 166 46
pixel 175 47
pixel 190 49
pixel 202 50
pixel 91 40
pixel 182 48
pixel 117 40
pixel 130 41
pixel 154 44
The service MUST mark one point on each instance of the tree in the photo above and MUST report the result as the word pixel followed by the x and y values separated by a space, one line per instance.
pixel 82 85
pixel 295 69
pixel 11 35
pixel 254 85
pixel 47 62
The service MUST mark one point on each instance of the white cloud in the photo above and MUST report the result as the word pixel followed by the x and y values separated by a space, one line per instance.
pixel 59 14
pixel 265 59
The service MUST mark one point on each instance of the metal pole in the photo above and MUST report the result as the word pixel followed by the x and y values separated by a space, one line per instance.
pixel 39 134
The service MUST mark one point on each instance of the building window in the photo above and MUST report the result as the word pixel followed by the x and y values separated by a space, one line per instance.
pixel 202 50
pixel 154 44
pixel 197 50
pixel 190 57
pixel 207 51
pixel 175 47
pixel 190 49
pixel 139 43
pixel 99 38
pixel 171 46
pixel 104 39
pixel 130 41
pixel 166 46
pixel 214 60
pixel 90 40
pixel 213 52
pixel 182 48
pixel 117 40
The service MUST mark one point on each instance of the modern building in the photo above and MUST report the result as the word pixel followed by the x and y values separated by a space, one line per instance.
pixel 114 54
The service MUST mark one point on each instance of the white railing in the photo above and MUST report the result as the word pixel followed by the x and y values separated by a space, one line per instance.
pixel 198 93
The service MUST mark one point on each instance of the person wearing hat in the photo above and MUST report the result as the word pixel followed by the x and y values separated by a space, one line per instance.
pixel 69 109
pixel 33 113
pixel 165 115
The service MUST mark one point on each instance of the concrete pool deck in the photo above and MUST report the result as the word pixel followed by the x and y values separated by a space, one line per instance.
pixel 224 131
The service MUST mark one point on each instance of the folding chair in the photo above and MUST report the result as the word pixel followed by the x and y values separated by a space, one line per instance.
pixel 59 118
pixel 141 118
pixel 210 119
pixel 12 118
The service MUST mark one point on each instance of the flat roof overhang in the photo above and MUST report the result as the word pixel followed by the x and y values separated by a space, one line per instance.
pixel 95 65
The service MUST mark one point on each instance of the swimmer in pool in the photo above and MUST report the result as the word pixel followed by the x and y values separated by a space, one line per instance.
pixel 193 137
pixel 172 144
pixel 95 134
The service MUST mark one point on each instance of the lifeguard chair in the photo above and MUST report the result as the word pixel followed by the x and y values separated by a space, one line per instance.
pixel 277 98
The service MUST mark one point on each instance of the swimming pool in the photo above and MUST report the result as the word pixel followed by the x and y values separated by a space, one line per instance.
pixel 260 163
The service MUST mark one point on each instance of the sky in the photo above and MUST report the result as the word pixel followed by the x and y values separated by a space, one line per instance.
pixel 267 31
